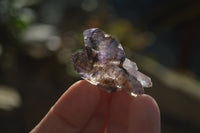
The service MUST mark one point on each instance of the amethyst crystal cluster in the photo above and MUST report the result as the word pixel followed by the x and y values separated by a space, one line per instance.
pixel 103 63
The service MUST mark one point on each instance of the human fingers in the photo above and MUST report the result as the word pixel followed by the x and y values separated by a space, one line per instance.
pixel 129 114
pixel 98 121
pixel 72 111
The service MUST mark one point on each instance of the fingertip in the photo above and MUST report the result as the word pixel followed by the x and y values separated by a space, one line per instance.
pixel 148 102
pixel 72 111
pixel 145 115
pixel 74 108
pixel 78 101
pixel 79 90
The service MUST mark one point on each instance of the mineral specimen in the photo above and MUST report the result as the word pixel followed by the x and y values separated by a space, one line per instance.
pixel 103 63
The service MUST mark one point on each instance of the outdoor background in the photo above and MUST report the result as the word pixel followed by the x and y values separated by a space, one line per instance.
pixel 37 38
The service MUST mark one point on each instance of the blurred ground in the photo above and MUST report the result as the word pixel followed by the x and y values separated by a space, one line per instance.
pixel 37 38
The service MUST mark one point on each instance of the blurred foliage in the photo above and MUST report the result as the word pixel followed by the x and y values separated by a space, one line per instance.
pixel 15 17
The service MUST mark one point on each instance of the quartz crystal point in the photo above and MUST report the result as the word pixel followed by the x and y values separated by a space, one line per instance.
pixel 103 63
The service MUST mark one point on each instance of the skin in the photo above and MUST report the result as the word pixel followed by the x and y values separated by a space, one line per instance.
pixel 84 108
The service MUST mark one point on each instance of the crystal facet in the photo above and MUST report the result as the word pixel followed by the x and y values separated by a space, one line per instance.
pixel 103 63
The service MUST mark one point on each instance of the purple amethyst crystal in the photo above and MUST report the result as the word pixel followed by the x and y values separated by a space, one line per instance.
pixel 103 63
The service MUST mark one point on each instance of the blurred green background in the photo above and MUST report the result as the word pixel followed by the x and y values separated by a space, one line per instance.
pixel 37 38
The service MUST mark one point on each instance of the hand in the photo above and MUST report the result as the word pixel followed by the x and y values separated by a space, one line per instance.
pixel 84 108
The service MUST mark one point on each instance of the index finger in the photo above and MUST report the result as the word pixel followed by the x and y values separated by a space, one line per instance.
pixel 72 111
